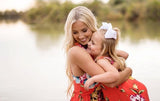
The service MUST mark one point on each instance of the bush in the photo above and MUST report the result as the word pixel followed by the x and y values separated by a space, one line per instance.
pixel 153 10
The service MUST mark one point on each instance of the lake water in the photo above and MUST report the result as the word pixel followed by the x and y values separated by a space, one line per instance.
pixel 32 60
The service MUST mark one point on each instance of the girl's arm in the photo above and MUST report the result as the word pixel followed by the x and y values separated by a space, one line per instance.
pixel 124 75
pixel 111 74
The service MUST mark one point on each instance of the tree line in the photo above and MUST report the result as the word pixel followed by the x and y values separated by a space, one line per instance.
pixel 56 12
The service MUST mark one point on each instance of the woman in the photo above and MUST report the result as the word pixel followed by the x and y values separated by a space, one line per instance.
pixel 79 27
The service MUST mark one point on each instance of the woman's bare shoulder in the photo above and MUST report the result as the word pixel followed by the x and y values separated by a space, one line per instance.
pixel 77 51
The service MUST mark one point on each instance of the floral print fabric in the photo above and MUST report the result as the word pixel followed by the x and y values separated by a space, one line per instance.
pixel 131 90
pixel 80 94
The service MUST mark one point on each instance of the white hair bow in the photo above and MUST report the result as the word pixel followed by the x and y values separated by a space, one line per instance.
pixel 110 32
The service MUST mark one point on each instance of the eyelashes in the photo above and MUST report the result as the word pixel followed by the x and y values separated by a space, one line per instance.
pixel 75 32
pixel 83 30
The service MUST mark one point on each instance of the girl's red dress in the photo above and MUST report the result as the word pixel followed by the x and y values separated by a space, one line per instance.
pixel 130 90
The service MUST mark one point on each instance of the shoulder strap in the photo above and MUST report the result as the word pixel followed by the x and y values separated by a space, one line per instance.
pixel 100 57
pixel 77 44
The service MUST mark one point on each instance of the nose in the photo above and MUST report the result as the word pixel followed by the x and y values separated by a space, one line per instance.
pixel 81 36
pixel 89 43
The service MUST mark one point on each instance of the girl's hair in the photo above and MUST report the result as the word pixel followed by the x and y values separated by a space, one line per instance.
pixel 84 15
pixel 109 48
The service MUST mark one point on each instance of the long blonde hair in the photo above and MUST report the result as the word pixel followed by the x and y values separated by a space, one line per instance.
pixel 83 14
pixel 109 48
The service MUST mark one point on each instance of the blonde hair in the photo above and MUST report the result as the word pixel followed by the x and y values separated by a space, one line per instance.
pixel 109 48
pixel 79 13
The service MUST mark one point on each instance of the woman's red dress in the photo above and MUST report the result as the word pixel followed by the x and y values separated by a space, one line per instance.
pixel 80 94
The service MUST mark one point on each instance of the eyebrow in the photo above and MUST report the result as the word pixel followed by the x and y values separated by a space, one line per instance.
pixel 74 30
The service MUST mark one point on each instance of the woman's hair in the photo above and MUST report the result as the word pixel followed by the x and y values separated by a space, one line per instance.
pixel 84 15
pixel 109 48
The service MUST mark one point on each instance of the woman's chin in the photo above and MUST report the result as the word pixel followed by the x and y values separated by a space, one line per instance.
pixel 84 42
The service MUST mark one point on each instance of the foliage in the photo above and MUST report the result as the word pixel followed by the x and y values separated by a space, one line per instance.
pixel 10 14
pixel 48 12
pixel 54 11
pixel 153 10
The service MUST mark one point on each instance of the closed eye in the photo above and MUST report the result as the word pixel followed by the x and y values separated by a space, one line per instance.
pixel 92 42
pixel 75 32
pixel 84 30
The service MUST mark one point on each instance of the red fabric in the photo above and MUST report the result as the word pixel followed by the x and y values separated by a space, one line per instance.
pixel 77 44
pixel 80 94
pixel 131 90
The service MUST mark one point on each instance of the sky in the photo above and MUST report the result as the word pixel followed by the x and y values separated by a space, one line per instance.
pixel 22 5
pixel 19 5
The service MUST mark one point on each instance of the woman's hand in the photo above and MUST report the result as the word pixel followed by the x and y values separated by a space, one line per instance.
pixel 123 54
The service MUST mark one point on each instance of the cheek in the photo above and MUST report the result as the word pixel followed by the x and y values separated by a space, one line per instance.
pixel 89 34
pixel 75 37
pixel 97 50
pixel 94 50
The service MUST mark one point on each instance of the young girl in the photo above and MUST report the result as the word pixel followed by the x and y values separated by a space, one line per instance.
pixel 102 48
pixel 79 27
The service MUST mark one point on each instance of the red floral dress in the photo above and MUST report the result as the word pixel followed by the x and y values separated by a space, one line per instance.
pixel 80 94
pixel 130 90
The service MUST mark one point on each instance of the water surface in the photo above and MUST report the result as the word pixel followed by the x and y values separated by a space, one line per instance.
pixel 32 60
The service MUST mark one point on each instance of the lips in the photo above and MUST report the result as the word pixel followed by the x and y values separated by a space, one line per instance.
pixel 83 40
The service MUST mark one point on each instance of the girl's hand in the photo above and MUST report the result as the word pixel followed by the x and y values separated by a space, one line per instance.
pixel 88 83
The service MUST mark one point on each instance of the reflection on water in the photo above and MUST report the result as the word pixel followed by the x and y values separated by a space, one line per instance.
pixel 47 35
pixel 30 69
pixel 32 61
pixel 138 31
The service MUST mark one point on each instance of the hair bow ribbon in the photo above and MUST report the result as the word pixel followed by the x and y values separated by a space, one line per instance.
pixel 110 32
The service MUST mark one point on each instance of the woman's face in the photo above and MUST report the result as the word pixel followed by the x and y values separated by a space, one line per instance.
pixel 95 45
pixel 81 32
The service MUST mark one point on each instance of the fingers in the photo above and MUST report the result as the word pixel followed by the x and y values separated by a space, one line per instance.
pixel 88 83
pixel 86 86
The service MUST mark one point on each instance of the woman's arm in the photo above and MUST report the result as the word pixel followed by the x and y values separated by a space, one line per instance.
pixel 123 54
pixel 111 74
pixel 79 57
pixel 120 53
pixel 84 61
